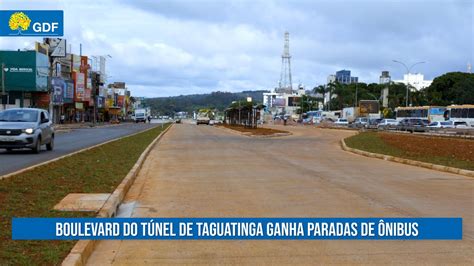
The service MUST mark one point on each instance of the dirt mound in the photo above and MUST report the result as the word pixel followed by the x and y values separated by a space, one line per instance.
pixel 260 131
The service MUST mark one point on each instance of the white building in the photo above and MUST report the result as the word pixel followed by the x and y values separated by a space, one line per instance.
pixel 283 102
pixel 416 80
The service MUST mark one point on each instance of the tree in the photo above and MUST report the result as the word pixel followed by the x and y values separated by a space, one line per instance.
pixel 451 88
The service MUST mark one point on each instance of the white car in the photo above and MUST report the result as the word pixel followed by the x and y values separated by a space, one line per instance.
pixel 460 124
pixel 385 123
pixel 341 121
pixel 442 124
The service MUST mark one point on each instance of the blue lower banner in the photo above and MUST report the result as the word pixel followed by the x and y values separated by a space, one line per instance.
pixel 238 228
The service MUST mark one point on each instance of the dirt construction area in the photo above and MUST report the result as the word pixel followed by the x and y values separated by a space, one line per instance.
pixel 204 171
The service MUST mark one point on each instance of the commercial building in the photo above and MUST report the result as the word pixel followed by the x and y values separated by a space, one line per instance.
pixel 415 80
pixel 280 102
pixel 70 86
pixel 344 77
pixel 25 75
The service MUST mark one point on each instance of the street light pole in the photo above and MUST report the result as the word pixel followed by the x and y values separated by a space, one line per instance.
pixel 408 69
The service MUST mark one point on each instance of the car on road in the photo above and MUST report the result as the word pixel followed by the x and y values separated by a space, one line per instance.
pixel 413 125
pixel 341 122
pixel 387 123
pixel 26 128
pixel 460 124
pixel 360 122
pixel 441 124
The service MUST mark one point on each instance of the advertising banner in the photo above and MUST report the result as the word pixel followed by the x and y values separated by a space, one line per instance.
pixel 294 101
pixel 279 102
pixel 58 87
pixel 100 102
pixel 368 107
pixel 120 100
pixel 76 63
pixel 79 81
pixel 87 95
pixel 69 92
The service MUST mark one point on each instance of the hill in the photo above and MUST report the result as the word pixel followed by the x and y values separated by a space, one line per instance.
pixel 189 103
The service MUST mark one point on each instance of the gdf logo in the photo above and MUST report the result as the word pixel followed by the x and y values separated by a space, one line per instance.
pixel 32 23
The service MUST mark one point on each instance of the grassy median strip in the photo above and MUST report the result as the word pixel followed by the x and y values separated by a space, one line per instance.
pixel 451 152
pixel 34 193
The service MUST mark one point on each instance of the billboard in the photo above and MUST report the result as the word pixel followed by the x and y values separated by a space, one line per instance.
pixel 58 87
pixel 294 101
pixel 279 102
pixel 69 92
pixel 369 107
pixel 76 62
pixel 79 84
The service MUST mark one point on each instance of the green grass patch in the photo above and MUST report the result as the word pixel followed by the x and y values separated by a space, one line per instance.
pixel 34 193
pixel 421 148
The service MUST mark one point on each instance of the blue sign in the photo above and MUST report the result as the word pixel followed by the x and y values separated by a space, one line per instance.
pixel 238 228
pixel 24 23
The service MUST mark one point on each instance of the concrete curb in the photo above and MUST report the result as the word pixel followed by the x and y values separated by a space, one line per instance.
pixel 82 250
pixel 248 134
pixel 67 155
pixel 436 167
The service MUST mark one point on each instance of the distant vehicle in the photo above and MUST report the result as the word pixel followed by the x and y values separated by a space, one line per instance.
pixel 373 123
pixel 341 121
pixel 361 121
pixel 430 113
pixel 461 124
pixel 141 115
pixel 387 123
pixel 443 124
pixel 26 128
pixel 178 121
pixel 413 124
pixel 202 118
pixel 463 113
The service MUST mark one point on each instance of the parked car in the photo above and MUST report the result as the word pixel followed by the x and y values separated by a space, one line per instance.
pixel 441 124
pixel 387 123
pixel 26 128
pixel 373 123
pixel 413 124
pixel 341 121
pixel 361 121
pixel 460 124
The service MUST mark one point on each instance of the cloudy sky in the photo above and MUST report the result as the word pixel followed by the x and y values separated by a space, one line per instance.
pixel 164 48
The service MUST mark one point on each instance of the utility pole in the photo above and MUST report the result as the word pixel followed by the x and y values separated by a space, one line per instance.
pixel 357 92
pixel 3 85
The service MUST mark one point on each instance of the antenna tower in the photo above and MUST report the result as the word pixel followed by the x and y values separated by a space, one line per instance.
pixel 285 83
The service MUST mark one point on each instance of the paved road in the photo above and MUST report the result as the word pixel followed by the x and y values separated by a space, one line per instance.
pixel 65 143
pixel 202 171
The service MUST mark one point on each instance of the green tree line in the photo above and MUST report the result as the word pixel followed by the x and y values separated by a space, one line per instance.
pixel 447 89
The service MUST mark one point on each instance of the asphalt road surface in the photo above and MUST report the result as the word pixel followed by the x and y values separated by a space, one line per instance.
pixel 65 143
pixel 203 171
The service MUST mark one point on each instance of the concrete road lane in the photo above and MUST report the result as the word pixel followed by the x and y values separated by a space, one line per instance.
pixel 202 171
pixel 65 143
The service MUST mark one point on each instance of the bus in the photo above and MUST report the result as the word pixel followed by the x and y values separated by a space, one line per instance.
pixel 463 113
pixel 431 113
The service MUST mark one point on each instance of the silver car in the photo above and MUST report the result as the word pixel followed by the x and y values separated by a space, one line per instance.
pixel 26 128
